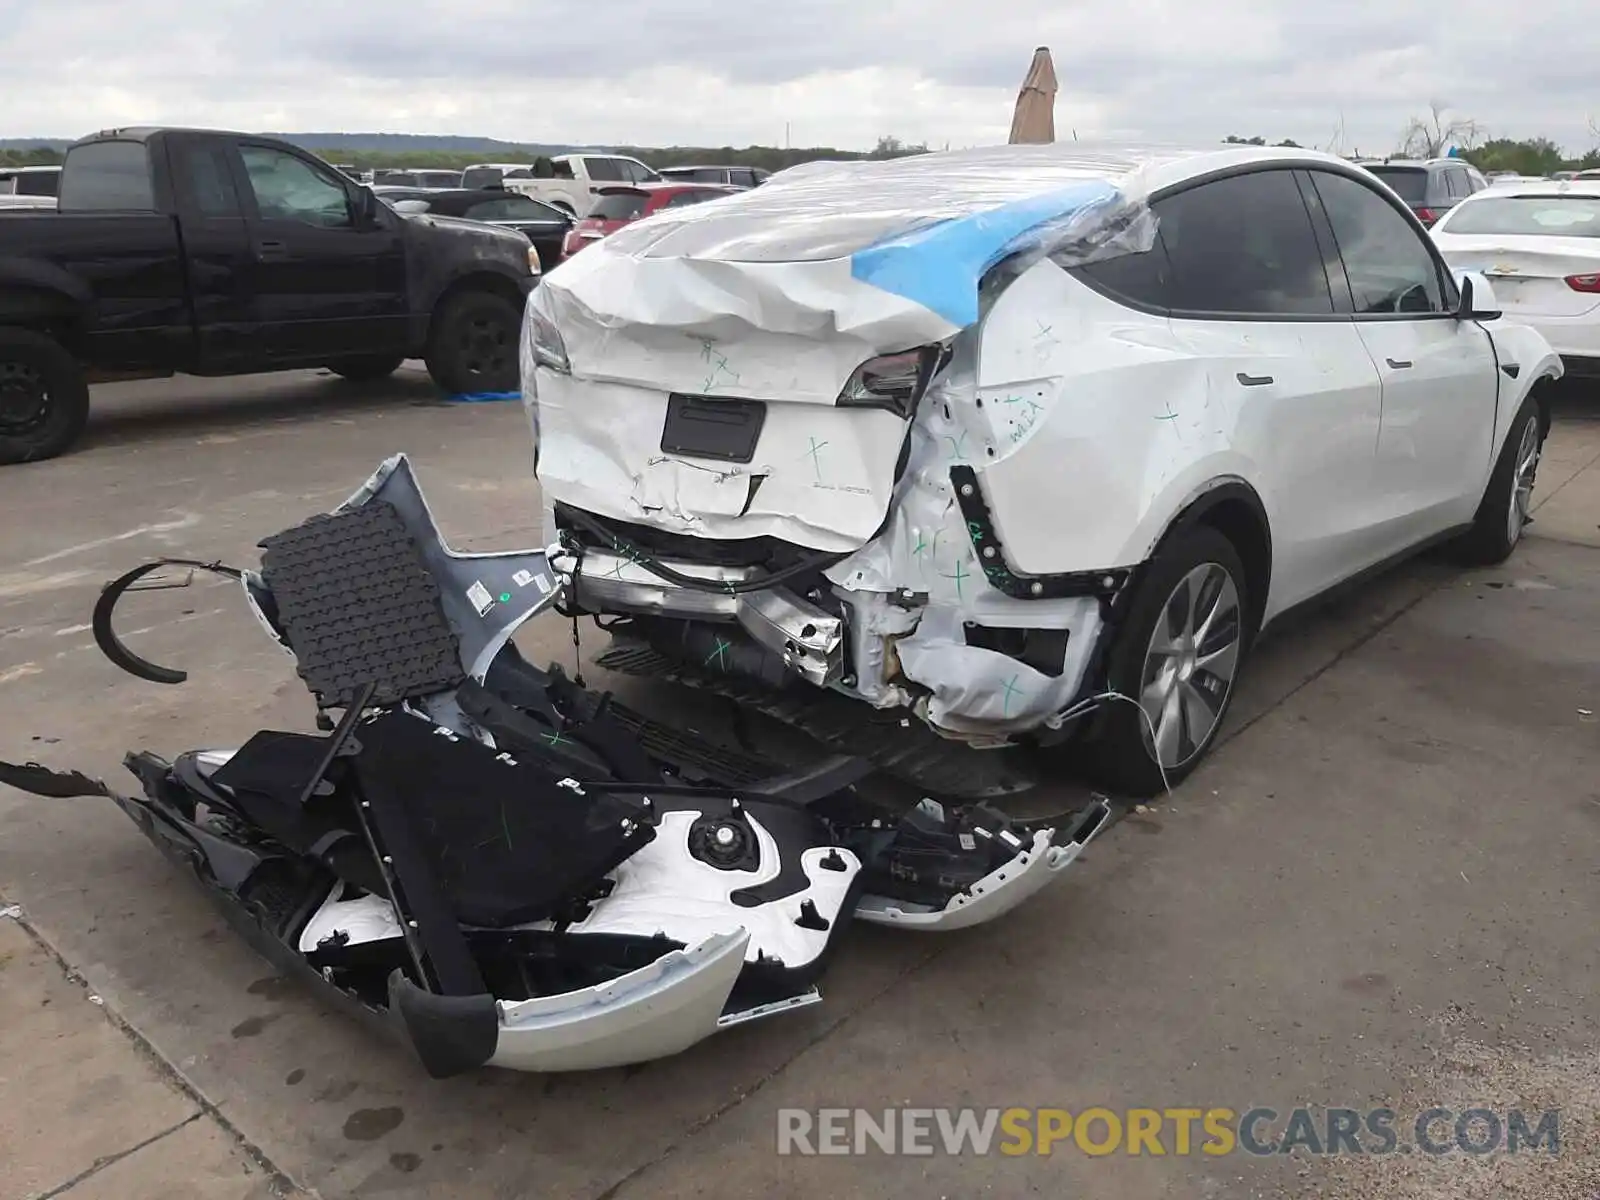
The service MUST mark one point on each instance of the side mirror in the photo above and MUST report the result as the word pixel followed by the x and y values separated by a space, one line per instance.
pixel 1477 299
pixel 366 208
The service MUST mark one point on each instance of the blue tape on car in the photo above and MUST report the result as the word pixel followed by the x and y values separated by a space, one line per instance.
pixel 939 266
pixel 482 397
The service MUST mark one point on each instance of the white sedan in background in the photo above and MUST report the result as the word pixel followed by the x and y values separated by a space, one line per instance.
pixel 1540 246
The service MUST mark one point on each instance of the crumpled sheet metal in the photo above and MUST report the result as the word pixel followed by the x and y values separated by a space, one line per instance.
pixel 926 550
pixel 779 294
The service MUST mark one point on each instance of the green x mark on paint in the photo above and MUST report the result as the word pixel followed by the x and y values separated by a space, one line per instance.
pixel 816 457
pixel 957 454
pixel 720 654
pixel 555 739
pixel 1010 689
pixel 920 546
pixel 961 573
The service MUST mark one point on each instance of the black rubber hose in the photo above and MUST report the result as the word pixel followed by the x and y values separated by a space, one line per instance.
pixel 106 637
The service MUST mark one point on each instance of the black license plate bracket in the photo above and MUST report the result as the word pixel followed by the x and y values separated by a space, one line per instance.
pixel 721 428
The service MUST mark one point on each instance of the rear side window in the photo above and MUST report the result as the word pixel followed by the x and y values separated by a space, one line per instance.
pixel 619 206
pixel 1139 278
pixel 1409 183
pixel 1243 244
pixel 210 181
pixel 1386 260
pixel 561 170
pixel 605 170
pixel 107 177
pixel 482 177
pixel 742 176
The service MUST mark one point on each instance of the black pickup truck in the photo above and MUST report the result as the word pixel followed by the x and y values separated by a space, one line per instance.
pixel 208 253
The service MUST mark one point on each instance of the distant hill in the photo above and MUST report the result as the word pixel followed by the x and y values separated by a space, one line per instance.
pixel 365 151
pixel 388 143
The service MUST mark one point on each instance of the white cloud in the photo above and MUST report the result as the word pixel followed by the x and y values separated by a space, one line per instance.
pixel 718 72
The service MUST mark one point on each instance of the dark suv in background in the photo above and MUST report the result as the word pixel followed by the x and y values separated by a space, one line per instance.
pixel 1430 188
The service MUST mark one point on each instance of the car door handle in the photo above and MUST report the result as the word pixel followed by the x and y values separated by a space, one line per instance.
pixel 1399 364
pixel 1253 380
pixel 270 251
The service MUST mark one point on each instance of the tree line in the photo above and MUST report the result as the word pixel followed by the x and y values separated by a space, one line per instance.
pixel 769 158
pixel 1424 137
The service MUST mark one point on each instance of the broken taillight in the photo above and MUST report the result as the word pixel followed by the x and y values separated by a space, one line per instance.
pixel 893 381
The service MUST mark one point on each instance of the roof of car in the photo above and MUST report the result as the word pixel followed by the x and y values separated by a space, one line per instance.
pixel 928 225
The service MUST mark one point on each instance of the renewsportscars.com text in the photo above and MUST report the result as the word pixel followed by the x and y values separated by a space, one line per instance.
pixel 1165 1131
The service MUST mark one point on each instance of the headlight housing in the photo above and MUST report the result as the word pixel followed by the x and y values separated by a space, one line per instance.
pixel 548 348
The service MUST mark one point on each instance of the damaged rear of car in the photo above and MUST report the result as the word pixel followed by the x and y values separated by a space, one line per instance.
pixel 907 434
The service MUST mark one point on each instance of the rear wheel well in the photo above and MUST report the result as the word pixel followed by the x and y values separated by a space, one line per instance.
pixel 1234 511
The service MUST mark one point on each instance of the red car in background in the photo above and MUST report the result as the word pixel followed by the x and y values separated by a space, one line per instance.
pixel 621 204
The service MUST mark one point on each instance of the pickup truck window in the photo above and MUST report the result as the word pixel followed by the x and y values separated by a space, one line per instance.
pixel 290 189
pixel 210 181
pixel 107 177
pixel 605 170
pixel 561 170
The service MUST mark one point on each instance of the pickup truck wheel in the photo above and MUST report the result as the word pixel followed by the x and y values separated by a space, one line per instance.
pixel 367 370
pixel 44 398
pixel 473 345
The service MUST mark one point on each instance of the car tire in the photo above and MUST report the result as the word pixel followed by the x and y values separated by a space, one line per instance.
pixel 44 397
pixel 1504 510
pixel 369 369
pixel 472 346
pixel 1167 679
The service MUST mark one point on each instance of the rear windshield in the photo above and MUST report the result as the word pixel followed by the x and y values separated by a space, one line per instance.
pixel 107 177
pixel 1409 183
pixel 482 177
pixel 619 206
pixel 1553 216
pixel 694 174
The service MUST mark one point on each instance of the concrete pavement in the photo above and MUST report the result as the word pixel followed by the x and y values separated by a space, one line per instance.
pixel 1381 889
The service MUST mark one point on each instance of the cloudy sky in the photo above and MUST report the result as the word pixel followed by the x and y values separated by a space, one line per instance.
pixel 838 72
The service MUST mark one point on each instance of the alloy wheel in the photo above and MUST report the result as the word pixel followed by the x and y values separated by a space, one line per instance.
pixel 1522 478
pixel 1190 664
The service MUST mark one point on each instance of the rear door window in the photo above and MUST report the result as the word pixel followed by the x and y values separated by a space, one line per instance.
pixel 107 177
pixel 1243 244
pixel 605 170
